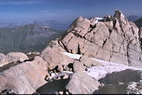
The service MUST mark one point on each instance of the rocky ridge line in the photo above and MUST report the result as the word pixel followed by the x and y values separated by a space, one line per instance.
pixel 114 39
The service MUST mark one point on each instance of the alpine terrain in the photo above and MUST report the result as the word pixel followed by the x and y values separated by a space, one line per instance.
pixel 95 56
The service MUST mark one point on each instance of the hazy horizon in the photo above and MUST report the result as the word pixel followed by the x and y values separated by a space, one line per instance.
pixel 63 10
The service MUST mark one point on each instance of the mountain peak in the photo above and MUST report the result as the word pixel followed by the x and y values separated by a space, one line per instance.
pixel 120 16
pixel 113 37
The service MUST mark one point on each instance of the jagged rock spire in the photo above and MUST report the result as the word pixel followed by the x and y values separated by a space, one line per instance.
pixel 120 16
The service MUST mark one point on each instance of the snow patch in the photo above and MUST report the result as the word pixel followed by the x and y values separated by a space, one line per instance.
pixel 99 72
pixel 73 56
pixel 98 19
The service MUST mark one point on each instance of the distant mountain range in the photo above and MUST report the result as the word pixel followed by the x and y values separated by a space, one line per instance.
pixel 138 22
pixel 133 17
pixel 58 25
pixel 136 19
pixel 26 38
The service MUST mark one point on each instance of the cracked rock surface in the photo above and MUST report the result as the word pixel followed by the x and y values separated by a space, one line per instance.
pixel 115 40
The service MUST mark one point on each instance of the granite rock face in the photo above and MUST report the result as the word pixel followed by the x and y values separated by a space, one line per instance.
pixel 24 78
pixel 55 58
pixel 114 39
pixel 81 83
pixel 78 66
pixel 88 62
pixel 16 56
pixel 12 57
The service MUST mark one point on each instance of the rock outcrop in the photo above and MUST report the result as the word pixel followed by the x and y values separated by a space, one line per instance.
pixel 24 78
pixel 81 83
pixel 12 57
pixel 88 62
pixel 16 56
pixel 114 39
pixel 78 66
pixel 54 58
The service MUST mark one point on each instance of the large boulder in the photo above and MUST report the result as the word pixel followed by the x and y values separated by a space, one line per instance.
pixel 78 66
pixel 24 78
pixel 16 56
pixel 55 58
pixel 81 83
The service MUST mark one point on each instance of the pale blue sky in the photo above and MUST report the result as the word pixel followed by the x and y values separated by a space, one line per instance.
pixel 63 10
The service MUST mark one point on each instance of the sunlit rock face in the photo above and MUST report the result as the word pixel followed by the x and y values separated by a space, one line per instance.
pixel 114 39
pixel 24 78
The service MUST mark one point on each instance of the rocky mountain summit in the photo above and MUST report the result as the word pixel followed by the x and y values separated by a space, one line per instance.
pixel 95 56
pixel 116 37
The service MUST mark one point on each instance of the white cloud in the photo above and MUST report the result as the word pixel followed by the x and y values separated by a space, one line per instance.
pixel 17 2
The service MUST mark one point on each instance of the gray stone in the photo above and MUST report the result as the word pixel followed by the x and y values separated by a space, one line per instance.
pixel 16 56
pixel 78 66
pixel 24 78
pixel 55 58
pixel 88 62
pixel 81 83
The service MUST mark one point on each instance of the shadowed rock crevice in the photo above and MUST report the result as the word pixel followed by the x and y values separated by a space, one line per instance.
pixel 92 27
pixel 54 87
pixel 110 31
pixel 104 43
pixel 78 50
pixel 9 65
pixel 140 37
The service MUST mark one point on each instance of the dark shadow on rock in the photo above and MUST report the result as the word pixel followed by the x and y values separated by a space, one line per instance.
pixel 112 89
pixel 11 64
pixel 53 87
pixel 122 76
pixel 112 81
